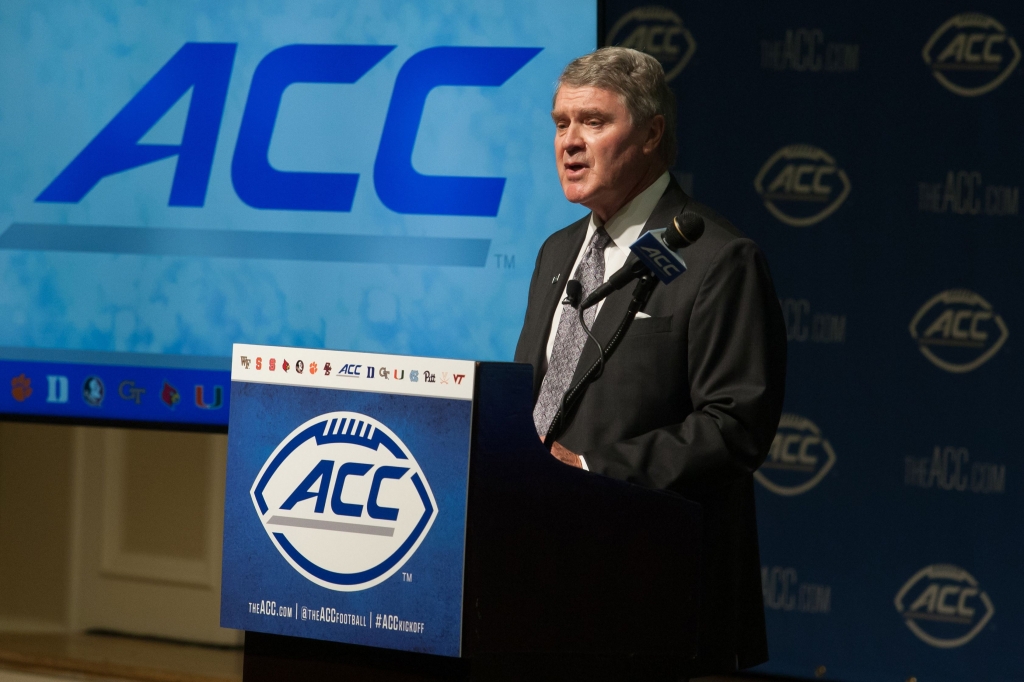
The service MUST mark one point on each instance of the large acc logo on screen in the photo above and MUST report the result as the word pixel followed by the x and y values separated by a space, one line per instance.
pixel 344 501
pixel 205 70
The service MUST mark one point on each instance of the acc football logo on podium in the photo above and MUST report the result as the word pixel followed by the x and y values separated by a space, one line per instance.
pixel 944 606
pixel 802 185
pixel 971 54
pixel 799 457
pixel 957 330
pixel 344 501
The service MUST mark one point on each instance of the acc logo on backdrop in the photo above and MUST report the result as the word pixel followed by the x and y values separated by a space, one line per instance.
pixel 802 185
pixel 344 501
pixel 659 32
pixel 943 605
pixel 958 330
pixel 971 54
pixel 799 457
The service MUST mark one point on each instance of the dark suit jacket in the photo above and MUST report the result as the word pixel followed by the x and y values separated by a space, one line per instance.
pixel 690 402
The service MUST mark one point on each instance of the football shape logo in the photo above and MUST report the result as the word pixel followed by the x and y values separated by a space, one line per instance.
pixel 958 330
pixel 344 501
pixel 659 32
pixel 971 54
pixel 944 606
pixel 798 459
pixel 801 185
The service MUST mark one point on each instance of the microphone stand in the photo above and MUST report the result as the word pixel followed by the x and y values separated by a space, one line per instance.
pixel 641 293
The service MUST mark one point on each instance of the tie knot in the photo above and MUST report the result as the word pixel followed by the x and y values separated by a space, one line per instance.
pixel 600 240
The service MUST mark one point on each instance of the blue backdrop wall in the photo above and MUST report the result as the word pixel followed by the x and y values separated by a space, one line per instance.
pixel 874 150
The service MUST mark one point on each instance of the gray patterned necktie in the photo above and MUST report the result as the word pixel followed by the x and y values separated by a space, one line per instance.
pixel 570 337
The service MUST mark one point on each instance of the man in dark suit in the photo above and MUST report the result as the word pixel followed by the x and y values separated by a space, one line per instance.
pixel 691 398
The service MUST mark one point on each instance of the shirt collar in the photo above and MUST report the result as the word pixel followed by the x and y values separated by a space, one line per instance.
pixel 624 227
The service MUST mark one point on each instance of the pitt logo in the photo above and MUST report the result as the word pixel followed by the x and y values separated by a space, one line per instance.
pixel 958 330
pixel 659 32
pixel 801 185
pixel 799 457
pixel 946 608
pixel 971 54
pixel 344 501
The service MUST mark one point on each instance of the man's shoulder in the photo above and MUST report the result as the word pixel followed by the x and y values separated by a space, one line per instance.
pixel 718 230
pixel 722 242
pixel 566 238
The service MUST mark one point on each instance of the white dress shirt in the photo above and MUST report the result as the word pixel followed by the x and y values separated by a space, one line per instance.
pixel 624 228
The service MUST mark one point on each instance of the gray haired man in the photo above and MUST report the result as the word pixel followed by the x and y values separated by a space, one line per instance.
pixel 691 398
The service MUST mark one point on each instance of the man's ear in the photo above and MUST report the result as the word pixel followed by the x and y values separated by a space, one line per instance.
pixel 655 131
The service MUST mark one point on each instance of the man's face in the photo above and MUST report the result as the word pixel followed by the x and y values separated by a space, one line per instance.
pixel 601 156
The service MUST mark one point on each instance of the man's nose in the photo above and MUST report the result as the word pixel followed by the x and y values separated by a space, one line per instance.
pixel 573 140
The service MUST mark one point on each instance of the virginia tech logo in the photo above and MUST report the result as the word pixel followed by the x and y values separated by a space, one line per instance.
pixel 799 457
pixel 659 32
pixel 971 54
pixel 943 605
pixel 802 185
pixel 958 330
pixel 344 501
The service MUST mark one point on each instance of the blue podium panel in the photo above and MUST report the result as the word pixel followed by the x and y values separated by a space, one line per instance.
pixel 345 512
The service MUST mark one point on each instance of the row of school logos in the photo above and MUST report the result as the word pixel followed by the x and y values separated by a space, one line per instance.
pixel 957 330
pixel 801 456
pixel 802 185
pixel 349 370
pixel 970 54
pixel 93 391
pixel 942 604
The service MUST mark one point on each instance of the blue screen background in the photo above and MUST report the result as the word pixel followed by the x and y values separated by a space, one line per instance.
pixel 67 68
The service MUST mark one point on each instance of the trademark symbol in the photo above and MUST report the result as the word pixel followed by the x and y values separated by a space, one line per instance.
pixel 406 577
pixel 505 261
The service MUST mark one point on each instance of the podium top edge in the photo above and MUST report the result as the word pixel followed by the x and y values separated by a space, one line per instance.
pixel 353 371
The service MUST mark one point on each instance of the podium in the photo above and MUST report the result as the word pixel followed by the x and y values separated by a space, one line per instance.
pixel 565 574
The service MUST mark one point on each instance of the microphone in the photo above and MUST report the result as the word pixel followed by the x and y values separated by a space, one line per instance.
pixel 658 248
pixel 573 292
pixel 686 229
pixel 656 252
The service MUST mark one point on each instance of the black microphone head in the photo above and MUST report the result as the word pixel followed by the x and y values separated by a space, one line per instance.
pixel 573 292
pixel 686 228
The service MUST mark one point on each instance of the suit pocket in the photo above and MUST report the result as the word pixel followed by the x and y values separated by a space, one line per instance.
pixel 650 325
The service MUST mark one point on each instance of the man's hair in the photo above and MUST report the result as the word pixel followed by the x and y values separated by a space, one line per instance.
pixel 637 79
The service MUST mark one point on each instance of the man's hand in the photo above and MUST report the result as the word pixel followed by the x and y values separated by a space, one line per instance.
pixel 563 454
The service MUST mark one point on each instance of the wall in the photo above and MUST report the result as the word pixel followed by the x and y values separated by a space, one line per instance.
pixel 874 151
pixel 35 508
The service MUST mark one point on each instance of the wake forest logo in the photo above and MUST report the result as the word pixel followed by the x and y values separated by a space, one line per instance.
pixel 799 457
pixel 802 185
pixel 971 54
pixel 958 331
pixel 944 606
pixel 344 501
pixel 659 32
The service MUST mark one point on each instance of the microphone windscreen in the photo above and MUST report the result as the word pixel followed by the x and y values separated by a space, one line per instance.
pixel 573 292
pixel 686 229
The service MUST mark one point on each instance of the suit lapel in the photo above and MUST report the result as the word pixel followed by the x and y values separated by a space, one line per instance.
pixel 671 204
pixel 563 261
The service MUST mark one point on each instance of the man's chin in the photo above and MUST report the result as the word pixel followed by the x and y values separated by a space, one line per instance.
pixel 576 193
